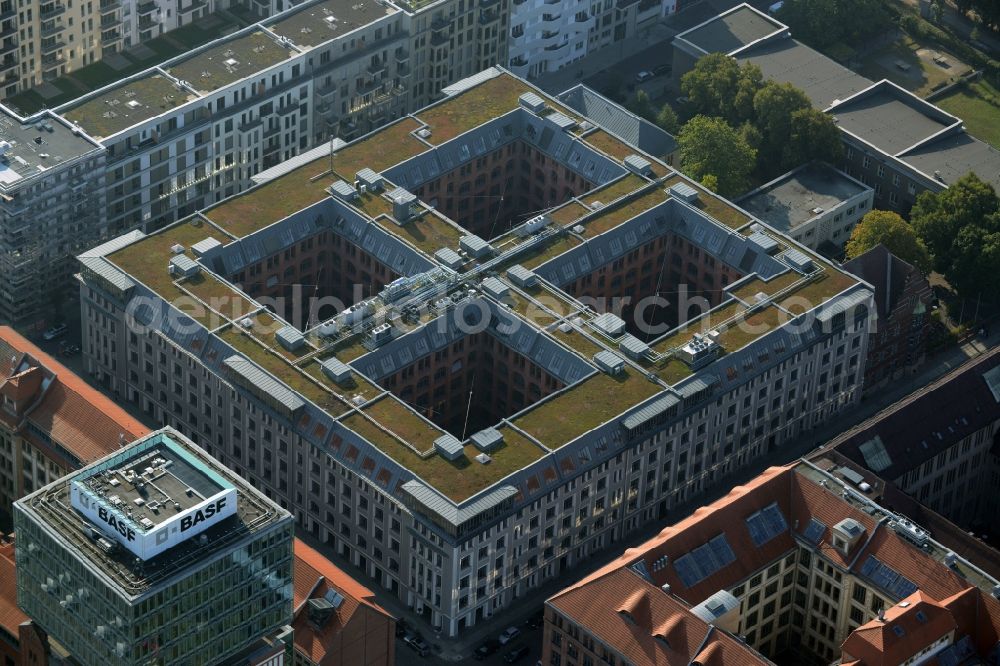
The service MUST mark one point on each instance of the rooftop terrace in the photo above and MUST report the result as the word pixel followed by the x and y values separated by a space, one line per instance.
pixel 127 104
pixel 232 60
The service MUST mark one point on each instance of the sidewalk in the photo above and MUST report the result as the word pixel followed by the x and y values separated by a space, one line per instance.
pixel 459 649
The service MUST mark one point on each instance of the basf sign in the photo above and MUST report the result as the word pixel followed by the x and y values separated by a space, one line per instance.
pixel 148 543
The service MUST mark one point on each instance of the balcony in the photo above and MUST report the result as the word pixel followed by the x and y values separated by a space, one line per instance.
pixel 548 34
pixel 376 68
pixel 110 6
pixel 10 62
pixel 52 60
pixel 556 47
pixel 402 55
pixel 52 46
pixel 110 37
pixel 51 11
pixel 145 8
pixel 551 17
pixel 145 23
pixel 7 11
pixel 519 61
pixel 9 46
pixel 50 29
pixel 197 4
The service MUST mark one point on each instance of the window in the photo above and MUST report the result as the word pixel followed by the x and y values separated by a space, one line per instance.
pixel 866 162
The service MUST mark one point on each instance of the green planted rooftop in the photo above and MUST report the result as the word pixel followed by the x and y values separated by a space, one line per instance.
pixel 460 113
pixel 127 104
pixel 230 61
pixel 429 232
pixel 584 406
pixel 612 215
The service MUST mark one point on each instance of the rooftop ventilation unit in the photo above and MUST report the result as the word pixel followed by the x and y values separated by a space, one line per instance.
pixel 203 247
pixel 909 531
pixel 342 190
pixel 484 459
pixel 373 182
pixel 475 246
pixel 183 265
pixel 764 242
pixel 531 102
pixel 798 260
pixel 700 351
pixel 609 362
pixel 424 132
pixel 533 226
pixel 633 347
pixel 487 440
pixel 638 165
pixel 562 121
pixel 448 447
pixel 402 205
pixel 337 371
pixel 449 258
pixel 381 334
pixel 290 338
pixel 684 192
pixel 177 248
pixel 609 324
pixel 495 287
pixel 521 276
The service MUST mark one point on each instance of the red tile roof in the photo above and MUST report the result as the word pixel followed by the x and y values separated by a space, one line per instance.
pixel 651 617
pixel 81 419
pixel 596 600
pixel 313 575
pixel 910 626
pixel 10 615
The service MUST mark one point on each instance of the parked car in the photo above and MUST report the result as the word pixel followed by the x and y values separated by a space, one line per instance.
pixel 509 634
pixel 660 70
pixel 400 628
pixel 54 332
pixel 643 76
pixel 417 644
pixel 516 654
pixel 69 350
pixel 486 649
pixel 536 620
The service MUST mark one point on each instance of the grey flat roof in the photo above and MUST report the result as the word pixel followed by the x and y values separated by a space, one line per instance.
pixel 954 156
pixel 29 142
pixel 790 61
pixel 731 31
pixel 887 120
pixel 789 201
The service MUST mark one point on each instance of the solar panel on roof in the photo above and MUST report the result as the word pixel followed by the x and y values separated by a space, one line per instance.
pixel 887 578
pixel 704 560
pixel 814 531
pixel 766 524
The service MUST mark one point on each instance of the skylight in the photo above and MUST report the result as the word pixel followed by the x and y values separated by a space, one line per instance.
pixel 887 578
pixel 766 524
pixel 814 531
pixel 704 561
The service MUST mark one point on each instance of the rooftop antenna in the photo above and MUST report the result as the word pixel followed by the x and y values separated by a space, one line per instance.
pixel 468 407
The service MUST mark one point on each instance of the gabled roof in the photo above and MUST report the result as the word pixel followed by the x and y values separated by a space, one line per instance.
pixel 909 627
pixel 656 630
pixel 313 577
pixel 80 419
pixel 10 615
pixel 919 427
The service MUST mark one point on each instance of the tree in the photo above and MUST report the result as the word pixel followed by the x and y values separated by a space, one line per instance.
pixel 823 23
pixel 773 107
pixel 813 135
pixel 719 86
pixel 939 217
pixel 889 229
pixel 666 120
pixel 975 256
pixel 711 147
pixel 642 106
